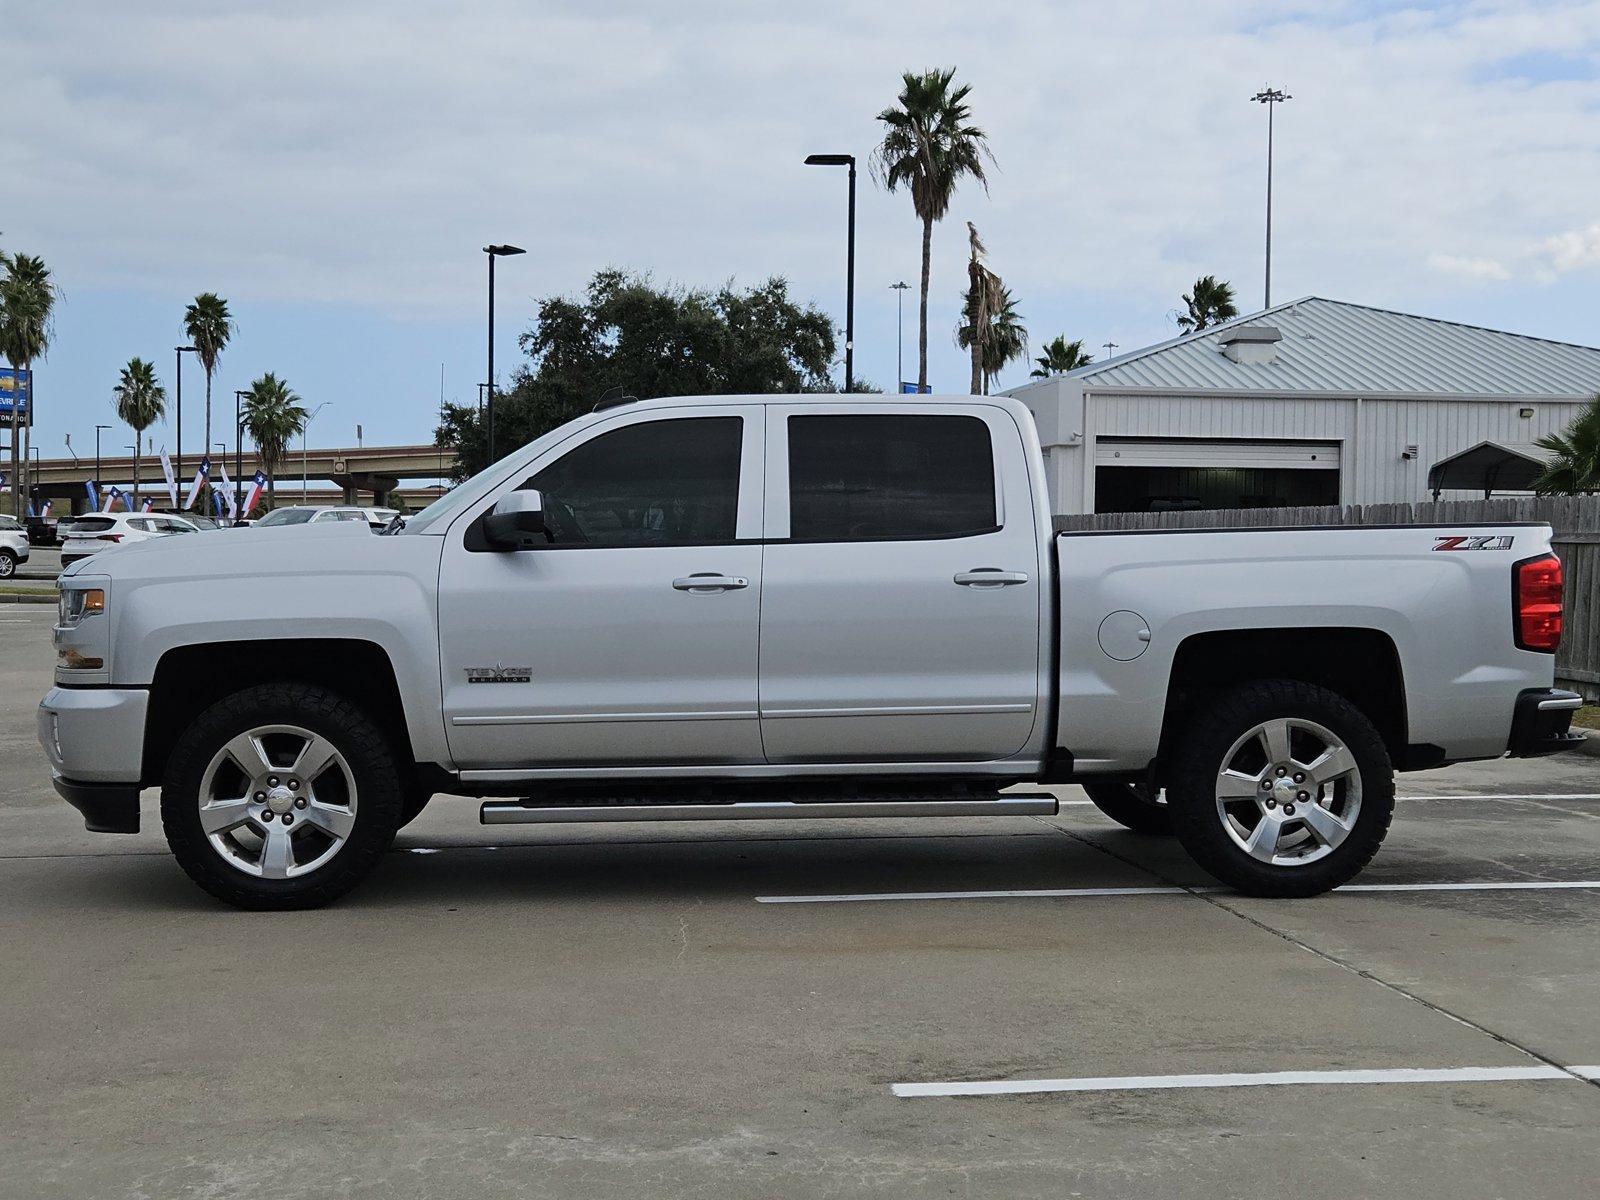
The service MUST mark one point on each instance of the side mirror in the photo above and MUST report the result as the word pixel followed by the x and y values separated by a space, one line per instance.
pixel 515 521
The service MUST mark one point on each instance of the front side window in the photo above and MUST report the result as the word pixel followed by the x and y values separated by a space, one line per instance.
pixel 886 476
pixel 655 483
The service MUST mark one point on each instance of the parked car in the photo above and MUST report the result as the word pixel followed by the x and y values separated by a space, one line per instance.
pixel 41 531
pixel 744 608
pixel 308 514
pixel 380 518
pixel 95 532
pixel 14 548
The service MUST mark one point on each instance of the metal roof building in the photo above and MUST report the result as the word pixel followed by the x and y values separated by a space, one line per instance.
pixel 1311 402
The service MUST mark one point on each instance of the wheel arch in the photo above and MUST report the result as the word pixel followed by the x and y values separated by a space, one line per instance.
pixel 189 679
pixel 1361 664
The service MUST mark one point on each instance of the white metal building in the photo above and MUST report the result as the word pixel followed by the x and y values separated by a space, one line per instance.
pixel 1310 402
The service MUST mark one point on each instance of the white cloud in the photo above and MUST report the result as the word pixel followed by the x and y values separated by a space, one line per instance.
pixel 1467 267
pixel 1575 250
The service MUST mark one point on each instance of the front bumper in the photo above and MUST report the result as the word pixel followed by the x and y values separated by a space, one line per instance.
pixel 106 807
pixel 94 734
pixel 1541 723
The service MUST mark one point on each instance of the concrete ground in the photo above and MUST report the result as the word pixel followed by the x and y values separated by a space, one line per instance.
pixel 595 1011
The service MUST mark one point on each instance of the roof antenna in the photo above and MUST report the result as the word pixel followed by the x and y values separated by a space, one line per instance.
pixel 612 397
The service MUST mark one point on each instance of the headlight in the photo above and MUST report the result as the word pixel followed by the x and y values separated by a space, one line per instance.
pixel 77 603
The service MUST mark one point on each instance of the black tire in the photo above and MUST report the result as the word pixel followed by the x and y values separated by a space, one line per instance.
pixel 1131 806
pixel 342 723
pixel 1192 787
pixel 8 564
pixel 413 800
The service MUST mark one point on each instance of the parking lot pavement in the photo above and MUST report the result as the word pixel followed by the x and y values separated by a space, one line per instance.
pixel 44 562
pixel 595 1011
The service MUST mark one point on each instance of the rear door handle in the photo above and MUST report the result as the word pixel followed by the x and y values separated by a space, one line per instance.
pixel 991 577
pixel 709 581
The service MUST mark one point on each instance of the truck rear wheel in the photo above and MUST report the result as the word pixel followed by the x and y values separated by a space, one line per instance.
pixel 1132 806
pixel 280 796
pixel 1281 788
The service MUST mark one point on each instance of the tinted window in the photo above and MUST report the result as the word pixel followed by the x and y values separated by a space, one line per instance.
pixel 650 484
pixel 287 516
pixel 93 524
pixel 9 524
pixel 887 476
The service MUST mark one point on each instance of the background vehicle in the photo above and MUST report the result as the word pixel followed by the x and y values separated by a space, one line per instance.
pixel 14 548
pixel 379 518
pixel 758 607
pixel 95 532
pixel 41 531
pixel 305 514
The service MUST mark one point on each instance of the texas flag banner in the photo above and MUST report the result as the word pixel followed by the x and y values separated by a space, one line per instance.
pixel 113 494
pixel 201 477
pixel 94 495
pixel 172 483
pixel 254 494
pixel 227 492
pixel 149 503
pixel 44 510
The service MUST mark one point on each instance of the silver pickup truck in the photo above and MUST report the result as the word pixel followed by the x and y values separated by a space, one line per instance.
pixel 741 607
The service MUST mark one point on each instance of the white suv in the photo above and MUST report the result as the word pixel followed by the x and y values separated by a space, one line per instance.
pixel 310 514
pixel 13 546
pixel 94 532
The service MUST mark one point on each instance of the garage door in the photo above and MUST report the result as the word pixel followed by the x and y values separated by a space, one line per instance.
pixel 1194 452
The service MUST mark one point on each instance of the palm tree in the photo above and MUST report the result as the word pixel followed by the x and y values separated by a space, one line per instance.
pixel 1211 301
pixel 27 300
pixel 141 402
pixel 928 145
pixel 1059 357
pixel 1004 341
pixel 1575 465
pixel 208 325
pixel 273 415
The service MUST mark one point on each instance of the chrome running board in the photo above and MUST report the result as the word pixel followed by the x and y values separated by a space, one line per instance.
pixel 528 812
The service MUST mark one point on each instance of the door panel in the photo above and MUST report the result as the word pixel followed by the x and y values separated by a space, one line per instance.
pixel 634 640
pixel 878 649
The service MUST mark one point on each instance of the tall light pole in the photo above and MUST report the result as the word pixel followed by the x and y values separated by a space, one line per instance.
pixel 178 353
pixel 238 451
pixel 846 160
pixel 304 454
pixel 1110 346
pixel 899 335
pixel 494 252
pixel 97 430
pixel 1271 97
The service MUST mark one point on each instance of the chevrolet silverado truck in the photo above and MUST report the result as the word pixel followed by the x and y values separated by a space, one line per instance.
pixel 743 607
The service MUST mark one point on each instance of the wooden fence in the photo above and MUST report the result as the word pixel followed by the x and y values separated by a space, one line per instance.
pixel 1575 520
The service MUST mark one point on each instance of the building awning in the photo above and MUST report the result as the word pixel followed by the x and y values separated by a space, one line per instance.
pixel 1489 467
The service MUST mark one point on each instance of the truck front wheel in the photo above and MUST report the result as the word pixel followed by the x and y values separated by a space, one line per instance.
pixel 280 796
pixel 1281 788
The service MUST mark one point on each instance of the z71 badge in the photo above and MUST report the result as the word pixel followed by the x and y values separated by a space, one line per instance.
pixel 1474 542
pixel 499 674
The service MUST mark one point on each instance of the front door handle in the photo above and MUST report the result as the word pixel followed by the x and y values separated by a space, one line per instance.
pixel 707 582
pixel 991 577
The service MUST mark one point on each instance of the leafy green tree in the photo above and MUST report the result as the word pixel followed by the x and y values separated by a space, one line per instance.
pixel 929 145
pixel 1575 456
pixel 27 303
pixel 272 415
pixel 627 333
pixel 141 402
pixel 1005 340
pixel 208 325
pixel 1211 301
pixel 1059 357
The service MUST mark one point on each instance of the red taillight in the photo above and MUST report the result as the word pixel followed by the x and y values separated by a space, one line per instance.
pixel 1537 588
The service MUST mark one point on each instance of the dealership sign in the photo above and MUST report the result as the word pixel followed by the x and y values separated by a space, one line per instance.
pixel 14 390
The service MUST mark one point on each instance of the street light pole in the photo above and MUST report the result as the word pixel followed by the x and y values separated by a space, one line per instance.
pixel 304 432
pixel 846 160
pixel 178 353
pixel 97 430
pixel 494 252
pixel 238 453
pixel 1271 97
pixel 1110 346
pixel 899 335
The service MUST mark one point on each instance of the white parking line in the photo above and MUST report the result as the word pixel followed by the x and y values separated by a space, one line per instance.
pixel 1534 885
pixel 1511 796
pixel 1135 1083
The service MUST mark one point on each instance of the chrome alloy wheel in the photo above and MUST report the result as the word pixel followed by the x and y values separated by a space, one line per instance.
pixel 277 801
pixel 1289 792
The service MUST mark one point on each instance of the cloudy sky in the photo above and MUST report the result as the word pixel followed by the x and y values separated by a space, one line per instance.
pixel 333 166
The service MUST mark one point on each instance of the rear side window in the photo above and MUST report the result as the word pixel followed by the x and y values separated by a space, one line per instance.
pixel 885 477
pixel 93 524
pixel 652 484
